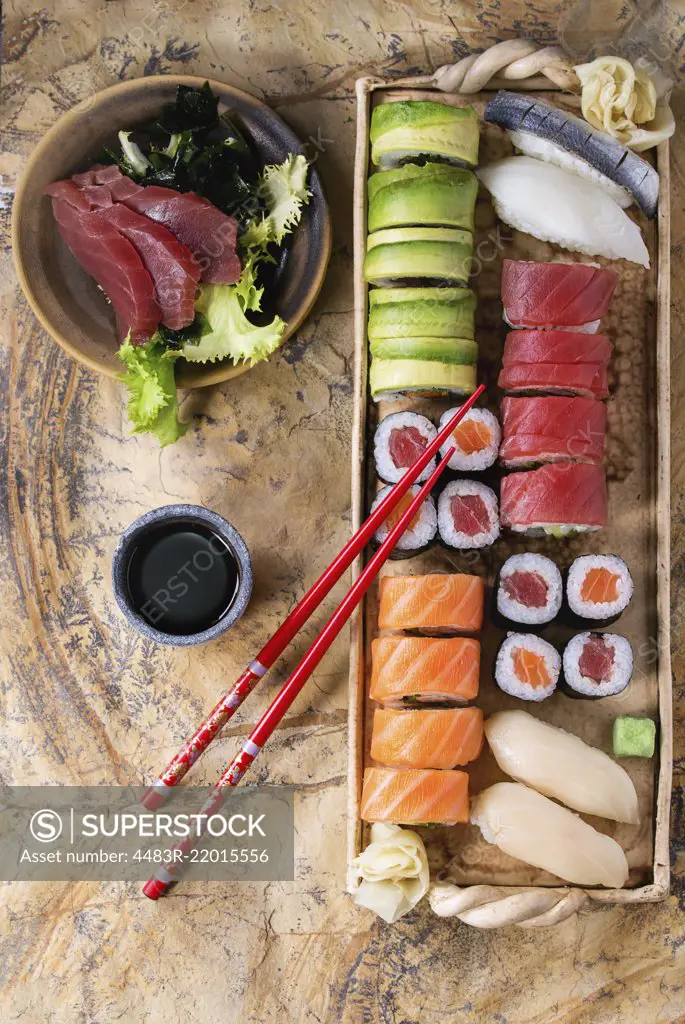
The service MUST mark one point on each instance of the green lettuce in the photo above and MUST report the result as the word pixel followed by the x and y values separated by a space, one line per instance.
pixel 232 335
pixel 151 386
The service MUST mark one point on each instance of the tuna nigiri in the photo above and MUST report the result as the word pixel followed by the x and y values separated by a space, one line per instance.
pixel 428 738
pixel 557 499
pixel 559 764
pixel 588 380
pixel 527 825
pixel 415 796
pixel 437 603
pixel 552 429
pixel 422 669
pixel 555 294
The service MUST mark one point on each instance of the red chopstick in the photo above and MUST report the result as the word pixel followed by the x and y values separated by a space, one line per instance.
pixel 161 880
pixel 272 650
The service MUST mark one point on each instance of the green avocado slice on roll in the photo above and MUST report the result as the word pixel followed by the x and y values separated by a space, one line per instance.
pixel 420 377
pixel 460 351
pixel 445 198
pixel 419 254
pixel 410 129
pixel 423 313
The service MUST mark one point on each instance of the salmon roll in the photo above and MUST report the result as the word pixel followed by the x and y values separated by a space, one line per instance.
pixel 527 667
pixel 422 530
pixel 440 603
pixel 429 738
pixel 468 516
pixel 599 588
pixel 398 442
pixel 597 665
pixel 415 796
pixel 424 670
pixel 476 438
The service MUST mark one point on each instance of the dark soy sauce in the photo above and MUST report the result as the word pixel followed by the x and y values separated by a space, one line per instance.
pixel 182 577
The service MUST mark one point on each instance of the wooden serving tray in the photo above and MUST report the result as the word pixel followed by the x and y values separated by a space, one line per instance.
pixel 638 476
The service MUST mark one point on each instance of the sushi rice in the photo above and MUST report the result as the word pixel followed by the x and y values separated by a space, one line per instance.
pixel 507 666
pixel 582 685
pixel 479 458
pixel 418 535
pixel 486 500
pixel 386 466
pixel 515 610
pixel 612 568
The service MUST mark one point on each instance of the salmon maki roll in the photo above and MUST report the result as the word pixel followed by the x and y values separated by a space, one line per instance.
pixel 437 603
pixel 428 738
pixel 415 796
pixel 420 669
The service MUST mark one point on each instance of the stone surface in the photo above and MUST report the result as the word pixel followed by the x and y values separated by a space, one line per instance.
pixel 85 700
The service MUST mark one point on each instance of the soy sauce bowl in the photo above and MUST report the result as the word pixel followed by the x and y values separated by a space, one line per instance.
pixel 181 575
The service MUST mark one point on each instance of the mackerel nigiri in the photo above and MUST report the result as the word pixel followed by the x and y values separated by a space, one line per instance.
pixel 414 796
pixel 527 825
pixel 561 765
pixel 421 669
pixel 429 738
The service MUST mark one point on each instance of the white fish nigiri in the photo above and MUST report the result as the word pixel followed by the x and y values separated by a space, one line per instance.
pixel 559 764
pixel 558 206
pixel 532 828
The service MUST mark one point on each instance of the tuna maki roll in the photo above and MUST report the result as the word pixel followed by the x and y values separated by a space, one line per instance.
pixel 476 439
pixel 598 589
pixel 597 665
pixel 527 667
pixel 419 534
pixel 398 442
pixel 529 590
pixel 467 515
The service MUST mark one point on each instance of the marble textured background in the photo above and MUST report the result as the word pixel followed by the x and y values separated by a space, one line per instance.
pixel 84 700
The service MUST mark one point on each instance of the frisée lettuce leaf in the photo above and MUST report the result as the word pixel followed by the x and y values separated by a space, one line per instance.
pixel 151 386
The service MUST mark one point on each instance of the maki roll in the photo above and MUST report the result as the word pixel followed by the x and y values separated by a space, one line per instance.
pixel 467 515
pixel 421 531
pixel 558 499
pixel 529 590
pixel 433 194
pixel 415 129
pixel 396 313
pixel 418 255
pixel 598 589
pixel 527 667
pixel 398 442
pixel 390 378
pixel 476 438
pixel 597 665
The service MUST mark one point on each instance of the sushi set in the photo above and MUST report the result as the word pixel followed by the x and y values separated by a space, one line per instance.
pixel 490 706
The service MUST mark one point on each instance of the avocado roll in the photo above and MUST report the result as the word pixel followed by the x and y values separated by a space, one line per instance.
pixel 424 378
pixel 398 442
pixel 418 129
pixel 396 313
pixel 432 194
pixel 419 255
pixel 597 665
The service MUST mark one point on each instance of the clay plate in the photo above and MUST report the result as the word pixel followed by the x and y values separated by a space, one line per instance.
pixel 67 301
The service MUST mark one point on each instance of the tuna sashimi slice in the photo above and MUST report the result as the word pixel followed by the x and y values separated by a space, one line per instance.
pixel 527 346
pixel 573 494
pixel 69 192
pixel 568 294
pixel 209 234
pixel 412 796
pixel 552 429
pixel 114 263
pixel 585 379
pixel 169 263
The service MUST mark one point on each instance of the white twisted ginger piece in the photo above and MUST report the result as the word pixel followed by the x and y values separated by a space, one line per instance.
pixel 515 59
pixel 487 906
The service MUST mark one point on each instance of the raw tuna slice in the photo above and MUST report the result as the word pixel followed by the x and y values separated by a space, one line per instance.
pixel 115 265
pixel 552 430
pixel 99 174
pixel 555 294
pixel 209 234
pixel 556 496
pixel 68 191
pixel 586 379
pixel 169 263
pixel 555 347
pixel 597 659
